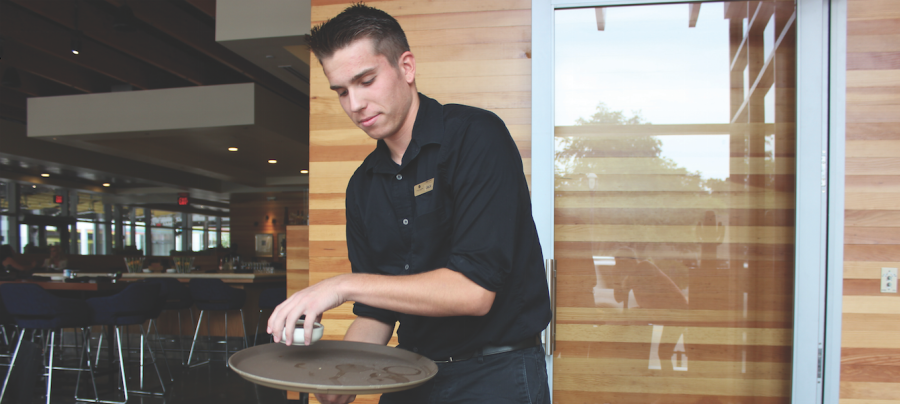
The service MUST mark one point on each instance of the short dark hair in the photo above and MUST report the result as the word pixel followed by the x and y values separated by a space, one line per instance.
pixel 355 22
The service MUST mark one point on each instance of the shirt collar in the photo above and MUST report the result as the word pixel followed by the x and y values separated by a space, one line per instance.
pixel 427 130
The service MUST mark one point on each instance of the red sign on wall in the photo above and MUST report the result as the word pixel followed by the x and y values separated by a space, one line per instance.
pixel 58 199
pixel 183 201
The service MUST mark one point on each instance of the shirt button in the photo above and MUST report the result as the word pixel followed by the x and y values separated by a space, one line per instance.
pixel 405 222
pixel 406 267
pixel 399 177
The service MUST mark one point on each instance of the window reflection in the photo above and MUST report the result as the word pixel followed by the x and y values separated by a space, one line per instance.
pixel 674 206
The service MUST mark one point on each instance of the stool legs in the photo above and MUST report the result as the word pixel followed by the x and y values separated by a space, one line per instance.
pixel 49 366
pixel 159 342
pixel 11 364
pixel 122 364
pixel 144 343
pixel 197 333
pixel 86 336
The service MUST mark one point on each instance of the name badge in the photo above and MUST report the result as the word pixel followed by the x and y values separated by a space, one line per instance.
pixel 423 187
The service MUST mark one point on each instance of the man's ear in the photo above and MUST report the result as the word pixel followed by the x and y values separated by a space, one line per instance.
pixel 407 64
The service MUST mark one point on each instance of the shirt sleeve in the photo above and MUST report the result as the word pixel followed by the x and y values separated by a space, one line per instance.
pixel 360 260
pixel 489 194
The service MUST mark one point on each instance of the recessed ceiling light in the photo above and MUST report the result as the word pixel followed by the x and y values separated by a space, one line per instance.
pixel 106 184
pixel 34 186
pixel 304 171
pixel 273 161
pixel 45 175
pixel 232 149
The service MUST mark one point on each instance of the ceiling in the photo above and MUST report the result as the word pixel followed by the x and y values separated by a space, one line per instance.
pixel 139 45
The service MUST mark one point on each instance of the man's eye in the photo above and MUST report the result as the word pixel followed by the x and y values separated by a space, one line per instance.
pixel 368 82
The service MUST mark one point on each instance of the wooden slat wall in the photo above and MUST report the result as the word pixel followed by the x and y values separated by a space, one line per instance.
pixel 297 264
pixel 870 355
pixel 472 52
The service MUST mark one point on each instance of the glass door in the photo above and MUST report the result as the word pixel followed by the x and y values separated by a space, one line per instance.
pixel 674 202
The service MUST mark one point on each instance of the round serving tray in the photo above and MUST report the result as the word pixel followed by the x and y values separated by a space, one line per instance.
pixel 333 367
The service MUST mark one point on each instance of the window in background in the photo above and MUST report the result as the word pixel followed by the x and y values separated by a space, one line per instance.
pixel 4 229
pixel 211 237
pixel 23 237
pixel 198 229
pixel 38 200
pixel 52 235
pixel 4 204
pixel 226 232
pixel 90 206
pixel 163 241
pixel 674 202
pixel 162 218
pixel 84 231
pixel 140 237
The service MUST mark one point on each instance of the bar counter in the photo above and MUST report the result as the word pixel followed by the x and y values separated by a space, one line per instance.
pixel 252 283
pixel 227 277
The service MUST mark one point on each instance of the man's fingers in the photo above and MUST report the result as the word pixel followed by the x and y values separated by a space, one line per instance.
pixel 273 325
pixel 308 328
pixel 276 322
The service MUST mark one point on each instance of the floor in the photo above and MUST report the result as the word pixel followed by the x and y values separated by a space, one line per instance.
pixel 213 382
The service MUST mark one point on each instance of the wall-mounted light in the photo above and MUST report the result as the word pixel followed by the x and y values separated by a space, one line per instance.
pixel 45 175
pixel 106 184
pixel 273 161
pixel 232 149
pixel 76 39
pixel 304 171
pixel 76 44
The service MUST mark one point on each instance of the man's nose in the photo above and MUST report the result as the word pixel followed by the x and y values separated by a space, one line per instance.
pixel 357 103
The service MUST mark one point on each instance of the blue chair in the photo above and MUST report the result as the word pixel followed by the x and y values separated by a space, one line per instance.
pixel 175 296
pixel 213 294
pixel 35 309
pixel 268 300
pixel 132 306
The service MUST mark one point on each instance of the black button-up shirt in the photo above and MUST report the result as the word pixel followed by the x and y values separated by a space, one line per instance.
pixel 459 200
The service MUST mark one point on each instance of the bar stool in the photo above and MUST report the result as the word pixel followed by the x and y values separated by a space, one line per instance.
pixel 132 306
pixel 213 294
pixel 6 319
pixel 268 300
pixel 36 309
pixel 176 296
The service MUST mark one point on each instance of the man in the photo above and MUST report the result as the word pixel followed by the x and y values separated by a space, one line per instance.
pixel 439 229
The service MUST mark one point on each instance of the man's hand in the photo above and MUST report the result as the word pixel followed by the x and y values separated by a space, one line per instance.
pixel 310 302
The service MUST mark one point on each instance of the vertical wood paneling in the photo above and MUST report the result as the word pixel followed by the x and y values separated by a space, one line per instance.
pixel 297 264
pixel 870 354
pixel 467 51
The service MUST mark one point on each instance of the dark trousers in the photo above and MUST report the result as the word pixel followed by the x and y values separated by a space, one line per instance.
pixel 518 377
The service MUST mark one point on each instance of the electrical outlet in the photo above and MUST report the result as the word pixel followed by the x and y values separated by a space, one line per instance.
pixel 888 280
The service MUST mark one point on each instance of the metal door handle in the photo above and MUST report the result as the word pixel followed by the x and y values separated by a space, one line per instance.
pixel 550 331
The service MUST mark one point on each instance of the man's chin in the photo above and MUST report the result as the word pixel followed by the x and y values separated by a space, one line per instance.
pixel 377 135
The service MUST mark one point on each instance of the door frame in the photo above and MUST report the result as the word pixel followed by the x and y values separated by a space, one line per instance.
pixel 821 95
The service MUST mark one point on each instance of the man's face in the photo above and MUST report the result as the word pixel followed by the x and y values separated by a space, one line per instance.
pixel 374 92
